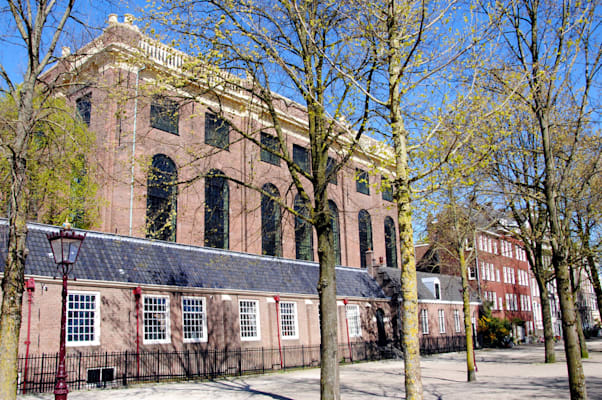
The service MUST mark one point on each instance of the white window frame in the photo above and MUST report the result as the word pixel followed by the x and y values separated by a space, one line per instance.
pixel 96 325
pixel 457 323
pixel 441 313
pixel 472 273
pixel 293 321
pixel 424 321
pixel 202 319
pixel 167 319
pixel 255 315
pixel 354 320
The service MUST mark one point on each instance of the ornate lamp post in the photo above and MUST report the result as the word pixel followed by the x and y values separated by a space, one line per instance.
pixel 65 248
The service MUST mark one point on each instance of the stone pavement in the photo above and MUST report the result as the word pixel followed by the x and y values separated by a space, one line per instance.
pixel 517 373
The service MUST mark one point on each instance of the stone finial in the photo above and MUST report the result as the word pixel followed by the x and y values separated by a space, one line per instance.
pixel 128 19
pixel 112 19
pixel 65 51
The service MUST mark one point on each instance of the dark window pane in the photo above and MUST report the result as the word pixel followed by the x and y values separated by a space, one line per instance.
pixel 390 243
pixel 161 199
pixel 216 210
pixel 271 241
pixel 217 131
pixel 271 143
pixel 335 226
pixel 365 229
pixel 164 114
pixel 386 189
pixel 330 163
pixel 84 108
pixel 362 182
pixel 304 246
pixel 301 158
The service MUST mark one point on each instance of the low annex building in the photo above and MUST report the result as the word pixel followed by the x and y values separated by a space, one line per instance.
pixel 189 296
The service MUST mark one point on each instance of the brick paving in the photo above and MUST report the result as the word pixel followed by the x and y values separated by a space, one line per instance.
pixel 517 373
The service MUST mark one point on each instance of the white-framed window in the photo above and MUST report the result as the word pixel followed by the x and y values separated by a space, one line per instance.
pixel 494 297
pixel 156 319
pixel 457 324
pixel 483 271
pixel 248 312
pixel 353 319
pixel 437 286
pixel 495 247
pixel 472 273
pixel 497 274
pixel 481 243
pixel 424 321
pixel 441 321
pixel 194 319
pixel 501 304
pixel 288 320
pixel 83 319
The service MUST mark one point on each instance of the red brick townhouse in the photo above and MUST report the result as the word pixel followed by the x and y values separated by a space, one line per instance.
pixel 190 297
pixel 151 134
pixel 503 277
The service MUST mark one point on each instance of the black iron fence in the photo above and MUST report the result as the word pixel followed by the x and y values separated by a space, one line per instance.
pixel 88 370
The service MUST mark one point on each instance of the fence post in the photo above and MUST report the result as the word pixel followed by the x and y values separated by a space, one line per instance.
pixel 125 369
pixel 158 365
pixel 302 356
pixel 239 362
pixel 262 361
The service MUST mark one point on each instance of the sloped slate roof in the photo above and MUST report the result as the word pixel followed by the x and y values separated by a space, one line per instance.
pixel 451 286
pixel 113 258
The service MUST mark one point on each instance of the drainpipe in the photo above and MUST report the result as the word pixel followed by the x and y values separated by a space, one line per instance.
pixel 31 287
pixel 134 149
pixel 345 302
pixel 137 293
pixel 277 300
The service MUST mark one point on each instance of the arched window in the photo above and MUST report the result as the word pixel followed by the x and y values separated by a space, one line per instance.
pixel 390 243
pixel 365 229
pixel 336 230
pixel 304 246
pixel 161 199
pixel 216 210
pixel 271 239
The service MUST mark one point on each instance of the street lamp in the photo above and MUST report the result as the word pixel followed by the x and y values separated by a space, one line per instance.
pixel 65 248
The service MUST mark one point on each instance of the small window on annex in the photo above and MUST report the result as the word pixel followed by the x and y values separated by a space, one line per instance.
pixel 84 108
pixel 194 319
pixel 288 320
pixel 365 231
pixel 271 236
pixel 390 243
pixel 83 318
pixel 248 311
pixel 353 319
pixel 156 319
pixel 362 181
pixel 301 158
pixel 164 114
pixel 217 131
pixel 271 149
pixel 424 321
pixel 217 203
pixel 161 199
pixel 336 230
pixel 304 246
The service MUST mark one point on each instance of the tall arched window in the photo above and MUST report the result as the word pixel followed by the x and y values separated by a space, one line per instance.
pixel 336 230
pixel 365 228
pixel 390 243
pixel 304 246
pixel 216 210
pixel 161 199
pixel 271 237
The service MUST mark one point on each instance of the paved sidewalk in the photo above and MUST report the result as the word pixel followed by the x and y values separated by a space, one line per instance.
pixel 517 373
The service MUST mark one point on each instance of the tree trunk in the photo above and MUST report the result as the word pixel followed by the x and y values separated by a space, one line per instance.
pixel 329 370
pixel 546 316
pixel 470 364
pixel 582 342
pixel 14 272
